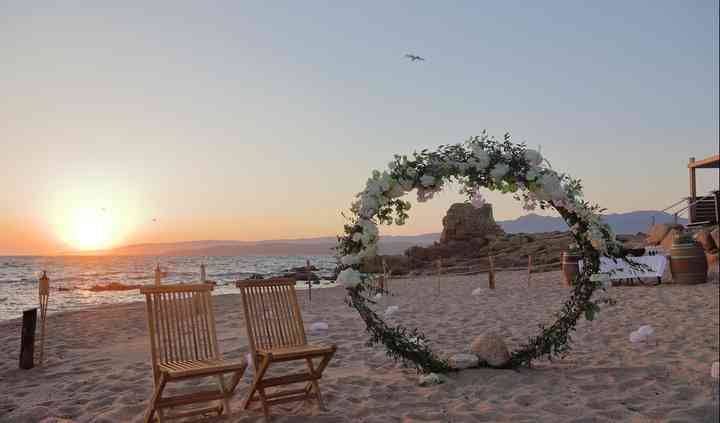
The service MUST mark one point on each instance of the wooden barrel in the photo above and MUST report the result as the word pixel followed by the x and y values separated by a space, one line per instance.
pixel 688 263
pixel 569 266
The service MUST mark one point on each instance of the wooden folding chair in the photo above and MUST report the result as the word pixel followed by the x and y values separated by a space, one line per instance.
pixel 276 333
pixel 183 345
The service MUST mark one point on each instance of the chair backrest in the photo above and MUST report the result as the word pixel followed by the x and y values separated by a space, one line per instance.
pixel 181 323
pixel 272 314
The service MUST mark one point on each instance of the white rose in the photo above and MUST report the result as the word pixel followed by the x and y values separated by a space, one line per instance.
pixel 499 171
pixel 483 158
pixel 396 190
pixel 349 278
pixel 385 182
pixel 533 158
pixel 427 181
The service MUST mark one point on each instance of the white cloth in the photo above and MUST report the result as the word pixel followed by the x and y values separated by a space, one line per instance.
pixel 621 270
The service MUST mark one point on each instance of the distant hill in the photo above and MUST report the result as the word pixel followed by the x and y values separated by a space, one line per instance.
pixel 622 223
pixel 305 246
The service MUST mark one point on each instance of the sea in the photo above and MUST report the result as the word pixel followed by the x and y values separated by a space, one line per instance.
pixel 78 282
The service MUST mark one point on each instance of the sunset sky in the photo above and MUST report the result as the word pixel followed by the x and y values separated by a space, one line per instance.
pixel 172 121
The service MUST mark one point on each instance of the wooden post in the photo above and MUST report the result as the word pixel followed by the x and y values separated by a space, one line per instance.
pixel 529 269
pixel 491 274
pixel 158 275
pixel 693 189
pixel 438 266
pixel 386 276
pixel 27 338
pixel 203 275
pixel 43 299
pixel 309 282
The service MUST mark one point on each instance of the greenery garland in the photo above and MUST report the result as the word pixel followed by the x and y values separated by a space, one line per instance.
pixel 480 162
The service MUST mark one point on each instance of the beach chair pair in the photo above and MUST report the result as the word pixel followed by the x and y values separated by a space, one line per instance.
pixel 183 345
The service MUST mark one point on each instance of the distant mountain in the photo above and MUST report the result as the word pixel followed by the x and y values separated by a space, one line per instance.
pixel 622 223
pixel 304 246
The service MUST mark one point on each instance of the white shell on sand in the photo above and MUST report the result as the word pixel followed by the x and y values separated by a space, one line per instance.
pixel 318 327
pixel 391 310
pixel 477 291
pixel 635 337
pixel 715 370
pixel 463 361
pixel 491 349
pixel 646 331
pixel 431 379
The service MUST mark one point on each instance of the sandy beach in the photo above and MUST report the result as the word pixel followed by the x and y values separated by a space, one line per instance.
pixel 98 367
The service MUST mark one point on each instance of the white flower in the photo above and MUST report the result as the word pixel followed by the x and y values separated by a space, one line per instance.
pixel 427 181
pixel 349 278
pixel 499 171
pixel 483 158
pixel 396 190
pixel 533 158
pixel 350 259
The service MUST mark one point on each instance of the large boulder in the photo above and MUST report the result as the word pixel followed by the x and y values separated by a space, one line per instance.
pixel 659 232
pixel 491 349
pixel 464 222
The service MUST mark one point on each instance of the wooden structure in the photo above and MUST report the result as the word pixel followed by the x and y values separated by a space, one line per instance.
pixel 276 333
pixel 183 345
pixel 43 298
pixel 705 209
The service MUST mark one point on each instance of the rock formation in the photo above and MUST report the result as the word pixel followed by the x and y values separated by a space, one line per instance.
pixel 463 222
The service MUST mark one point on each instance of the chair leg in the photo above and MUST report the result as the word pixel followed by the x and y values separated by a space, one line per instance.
pixel 259 373
pixel 314 385
pixel 152 407
pixel 263 401
pixel 226 395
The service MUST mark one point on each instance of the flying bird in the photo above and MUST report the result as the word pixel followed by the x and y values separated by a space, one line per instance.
pixel 414 58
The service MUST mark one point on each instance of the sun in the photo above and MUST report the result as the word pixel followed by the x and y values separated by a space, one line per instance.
pixel 88 229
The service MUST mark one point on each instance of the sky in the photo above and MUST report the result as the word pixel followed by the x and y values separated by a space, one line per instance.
pixel 167 121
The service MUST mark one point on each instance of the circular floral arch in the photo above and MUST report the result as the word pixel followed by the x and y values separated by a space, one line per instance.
pixel 480 162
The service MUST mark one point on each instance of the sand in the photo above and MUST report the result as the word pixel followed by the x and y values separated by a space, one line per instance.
pixel 97 362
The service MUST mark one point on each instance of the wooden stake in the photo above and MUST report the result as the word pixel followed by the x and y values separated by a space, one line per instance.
pixel 386 276
pixel 438 266
pixel 27 339
pixel 491 274
pixel 529 269
pixel 309 282
pixel 43 298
